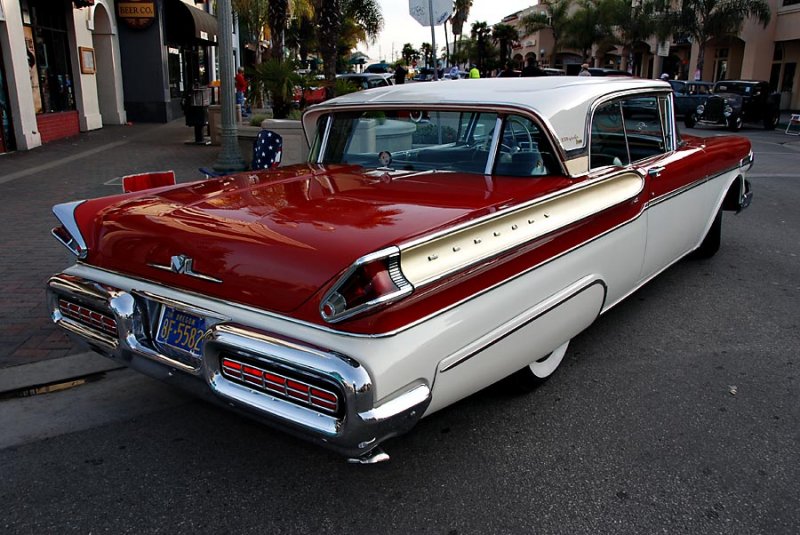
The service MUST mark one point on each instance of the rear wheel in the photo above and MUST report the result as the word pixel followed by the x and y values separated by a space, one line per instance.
pixel 690 120
pixel 537 372
pixel 711 242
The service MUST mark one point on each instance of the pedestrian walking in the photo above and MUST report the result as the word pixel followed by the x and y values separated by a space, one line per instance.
pixel 585 70
pixel 508 71
pixel 400 73
pixel 241 89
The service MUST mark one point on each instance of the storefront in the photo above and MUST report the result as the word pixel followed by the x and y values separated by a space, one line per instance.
pixel 167 49
pixel 59 71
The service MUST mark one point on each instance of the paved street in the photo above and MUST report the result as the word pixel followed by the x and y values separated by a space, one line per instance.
pixel 676 412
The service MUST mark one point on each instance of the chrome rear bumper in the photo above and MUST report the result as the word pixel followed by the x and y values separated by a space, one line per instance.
pixel 356 427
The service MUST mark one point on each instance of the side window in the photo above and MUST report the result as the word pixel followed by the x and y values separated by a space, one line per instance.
pixel 524 150
pixel 607 144
pixel 630 129
pixel 643 127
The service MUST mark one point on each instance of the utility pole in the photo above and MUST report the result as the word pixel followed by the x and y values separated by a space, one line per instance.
pixel 433 41
pixel 230 157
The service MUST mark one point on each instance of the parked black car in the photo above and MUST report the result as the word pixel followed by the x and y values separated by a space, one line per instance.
pixel 689 95
pixel 602 71
pixel 736 102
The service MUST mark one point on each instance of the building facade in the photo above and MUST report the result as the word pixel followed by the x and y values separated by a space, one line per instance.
pixel 71 66
pixel 757 53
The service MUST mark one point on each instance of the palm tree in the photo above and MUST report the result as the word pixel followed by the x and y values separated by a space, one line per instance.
pixel 301 37
pixel 427 53
pixel 277 18
pixel 460 16
pixel 409 53
pixel 253 17
pixel 586 27
pixel 557 20
pixel 329 26
pixel 504 35
pixel 480 33
pixel 332 16
pixel 713 19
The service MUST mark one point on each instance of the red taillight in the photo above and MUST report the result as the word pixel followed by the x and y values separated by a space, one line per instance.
pixel 88 317
pixel 372 281
pixel 278 385
pixel 143 181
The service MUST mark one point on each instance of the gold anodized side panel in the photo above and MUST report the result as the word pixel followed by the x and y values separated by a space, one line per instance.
pixel 435 258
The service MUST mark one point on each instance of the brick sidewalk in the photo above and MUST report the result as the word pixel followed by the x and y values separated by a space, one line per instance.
pixel 32 182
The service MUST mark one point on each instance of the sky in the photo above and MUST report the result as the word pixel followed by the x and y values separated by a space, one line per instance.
pixel 401 28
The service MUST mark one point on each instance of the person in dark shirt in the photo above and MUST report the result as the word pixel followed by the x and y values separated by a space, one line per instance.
pixel 532 68
pixel 400 73
pixel 508 72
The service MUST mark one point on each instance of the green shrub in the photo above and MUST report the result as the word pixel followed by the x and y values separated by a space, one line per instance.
pixel 256 120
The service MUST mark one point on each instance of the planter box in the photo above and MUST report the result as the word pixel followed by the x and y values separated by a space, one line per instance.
pixel 215 120
pixel 295 148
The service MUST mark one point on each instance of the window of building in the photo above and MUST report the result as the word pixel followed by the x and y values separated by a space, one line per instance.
pixel 789 71
pixel 176 75
pixel 48 57
pixel 720 64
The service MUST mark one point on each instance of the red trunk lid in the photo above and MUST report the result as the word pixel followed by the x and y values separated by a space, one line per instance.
pixel 275 238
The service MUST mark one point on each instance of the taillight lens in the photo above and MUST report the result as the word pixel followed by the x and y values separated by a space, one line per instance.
pixel 75 246
pixel 373 281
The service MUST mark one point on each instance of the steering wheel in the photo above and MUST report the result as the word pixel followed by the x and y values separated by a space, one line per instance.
pixel 515 145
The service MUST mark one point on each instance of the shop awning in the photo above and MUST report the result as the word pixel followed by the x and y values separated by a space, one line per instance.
pixel 186 25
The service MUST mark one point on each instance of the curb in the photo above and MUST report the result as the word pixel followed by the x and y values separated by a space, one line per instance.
pixel 47 372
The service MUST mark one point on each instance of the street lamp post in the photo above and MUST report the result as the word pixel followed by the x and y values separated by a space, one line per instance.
pixel 230 157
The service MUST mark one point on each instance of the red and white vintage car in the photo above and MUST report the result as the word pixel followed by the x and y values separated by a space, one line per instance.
pixel 441 237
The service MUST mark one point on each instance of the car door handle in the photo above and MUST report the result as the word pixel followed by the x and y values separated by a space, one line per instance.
pixel 655 172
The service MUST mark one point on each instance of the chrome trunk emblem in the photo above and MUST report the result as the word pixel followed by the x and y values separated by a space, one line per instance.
pixel 183 265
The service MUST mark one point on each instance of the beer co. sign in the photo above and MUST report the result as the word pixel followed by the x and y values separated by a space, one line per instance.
pixel 137 14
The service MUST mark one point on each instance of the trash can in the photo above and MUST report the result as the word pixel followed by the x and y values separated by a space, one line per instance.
pixel 196 111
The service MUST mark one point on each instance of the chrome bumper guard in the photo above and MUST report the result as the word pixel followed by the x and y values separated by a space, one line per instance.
pixel 747 196
pixel 355 430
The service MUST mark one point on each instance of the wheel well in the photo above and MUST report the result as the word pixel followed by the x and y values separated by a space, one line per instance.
pixel 733 198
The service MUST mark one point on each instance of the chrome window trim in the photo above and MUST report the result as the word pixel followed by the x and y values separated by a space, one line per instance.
pixel 498 124
pixel 323 147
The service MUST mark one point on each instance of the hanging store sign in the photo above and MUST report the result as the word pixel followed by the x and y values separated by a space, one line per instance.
pixel 137 14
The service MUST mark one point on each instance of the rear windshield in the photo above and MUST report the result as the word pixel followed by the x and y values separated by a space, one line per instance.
pixel 427 139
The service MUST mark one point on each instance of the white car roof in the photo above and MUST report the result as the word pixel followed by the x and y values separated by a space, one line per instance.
pixel 563 102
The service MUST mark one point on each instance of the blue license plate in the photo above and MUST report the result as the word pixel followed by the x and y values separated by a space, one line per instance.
pixel 181 331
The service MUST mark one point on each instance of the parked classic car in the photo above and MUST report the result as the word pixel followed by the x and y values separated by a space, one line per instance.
pixel 689 95
pixel 603 71
pixel 736 102
pixel 441 238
